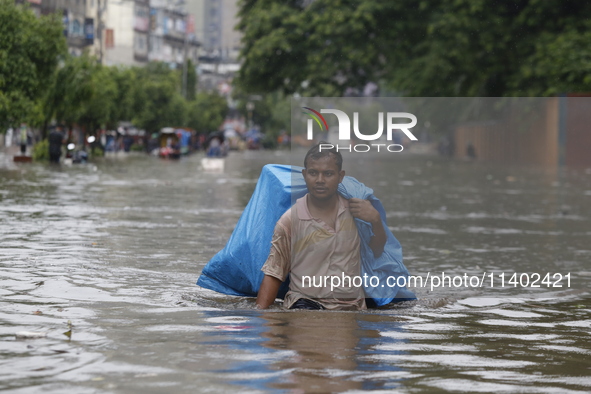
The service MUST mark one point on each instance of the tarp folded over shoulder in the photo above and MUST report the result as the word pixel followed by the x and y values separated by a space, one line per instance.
pixel 236 269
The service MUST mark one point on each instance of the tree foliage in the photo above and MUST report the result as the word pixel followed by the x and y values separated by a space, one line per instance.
pixel 158 98
pixel 100 110
pixel 416 47
pixel 125 103
pixel 93 96
pixel 71 89
pixel 30 48
pixel 206 112
pixel 191 80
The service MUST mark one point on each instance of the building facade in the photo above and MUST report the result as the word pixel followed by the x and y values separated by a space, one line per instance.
pixel 215 22
pixel 126 32
pixel 171 34
pixel 80 19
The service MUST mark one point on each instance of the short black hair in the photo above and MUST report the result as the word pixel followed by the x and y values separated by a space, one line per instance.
pixel 316 153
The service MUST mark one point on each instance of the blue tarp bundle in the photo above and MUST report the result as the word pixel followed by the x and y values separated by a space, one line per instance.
pixel 236 269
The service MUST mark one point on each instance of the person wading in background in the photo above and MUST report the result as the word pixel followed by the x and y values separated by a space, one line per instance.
pixel 55 145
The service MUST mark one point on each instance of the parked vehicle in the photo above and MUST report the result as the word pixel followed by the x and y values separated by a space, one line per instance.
pixel 170 146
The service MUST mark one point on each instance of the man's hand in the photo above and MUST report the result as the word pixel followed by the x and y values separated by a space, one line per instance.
pixel 268 291
pixel 362 209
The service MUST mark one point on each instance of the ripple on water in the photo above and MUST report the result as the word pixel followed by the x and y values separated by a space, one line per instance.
pixel 489 301
pixel 435 327
pixel 514 323
pixel 457 361
pixel 514 313
pixel 579 323
pixel 471 386
pixel 520 337
pixel 530 378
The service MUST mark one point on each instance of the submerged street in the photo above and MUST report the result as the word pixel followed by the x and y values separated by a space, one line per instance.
pixel 115 247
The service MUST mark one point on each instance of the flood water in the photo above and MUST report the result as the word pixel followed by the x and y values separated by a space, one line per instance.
pixel 115 248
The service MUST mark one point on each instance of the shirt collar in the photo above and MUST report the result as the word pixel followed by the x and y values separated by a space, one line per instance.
pixel 304 212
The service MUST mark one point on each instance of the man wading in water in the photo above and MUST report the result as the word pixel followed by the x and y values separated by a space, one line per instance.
pixel 316 238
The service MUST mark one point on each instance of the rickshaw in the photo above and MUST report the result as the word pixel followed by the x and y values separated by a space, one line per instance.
pixel 170 147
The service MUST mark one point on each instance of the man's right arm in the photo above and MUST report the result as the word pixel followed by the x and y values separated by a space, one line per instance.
pixel 277 266
pixel 268 291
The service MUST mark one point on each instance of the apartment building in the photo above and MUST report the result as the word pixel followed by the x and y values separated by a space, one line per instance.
pixel 126 32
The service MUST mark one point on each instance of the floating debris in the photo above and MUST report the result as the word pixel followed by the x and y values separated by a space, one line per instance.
pixel 69 332
pixel 30 335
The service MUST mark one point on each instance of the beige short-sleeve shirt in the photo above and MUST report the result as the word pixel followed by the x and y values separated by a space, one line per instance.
pixel 311 253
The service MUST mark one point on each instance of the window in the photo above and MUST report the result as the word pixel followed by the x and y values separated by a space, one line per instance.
pixel 76 29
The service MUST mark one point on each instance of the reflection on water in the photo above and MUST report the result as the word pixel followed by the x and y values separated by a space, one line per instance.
pixel 115 248
pixel 317 340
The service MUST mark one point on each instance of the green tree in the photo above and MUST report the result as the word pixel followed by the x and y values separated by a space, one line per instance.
pixel 71 89
pixel 158 100
pixel 86 93
pixel 30 48
pixel 489 48
pixel 272 112
pixel 125 105
pixel 100 108
pixel 321 48
pixel 415 47
pixel 277 119
pixel 207 112
pixel 191 80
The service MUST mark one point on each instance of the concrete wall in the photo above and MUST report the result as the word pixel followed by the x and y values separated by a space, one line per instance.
pixel 119 17
pixel 526 134
pixel 550 132
pixel 577 131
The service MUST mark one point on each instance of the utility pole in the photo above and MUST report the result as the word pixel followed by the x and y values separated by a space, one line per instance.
pixel 186 44
pixel 101 7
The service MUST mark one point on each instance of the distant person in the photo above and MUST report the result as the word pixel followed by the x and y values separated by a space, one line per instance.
pixel 202 141
pixel 55 145
pixel 9 138
pixel 23 138
pixel 471 151
pixel 110 145
pixel 153 143
pixel 80 157
pixel 215 148
pixel 225 148
pixel 127 143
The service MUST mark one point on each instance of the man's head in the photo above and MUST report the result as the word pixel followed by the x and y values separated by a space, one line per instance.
pixel 323 172
pixel 322 150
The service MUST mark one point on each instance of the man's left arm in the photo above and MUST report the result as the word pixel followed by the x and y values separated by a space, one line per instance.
pixel 362 209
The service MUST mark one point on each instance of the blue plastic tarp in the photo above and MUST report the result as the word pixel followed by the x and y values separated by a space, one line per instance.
pixel 184 137
pixel 236 269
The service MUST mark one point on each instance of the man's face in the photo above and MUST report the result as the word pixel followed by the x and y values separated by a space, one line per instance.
pixel 322 177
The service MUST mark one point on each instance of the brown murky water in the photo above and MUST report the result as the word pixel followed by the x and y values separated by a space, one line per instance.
pixel 115 248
